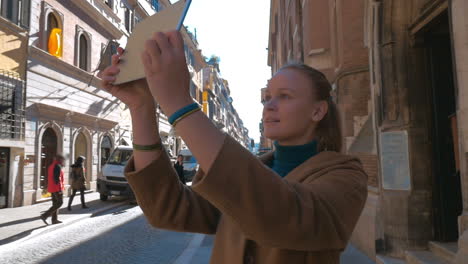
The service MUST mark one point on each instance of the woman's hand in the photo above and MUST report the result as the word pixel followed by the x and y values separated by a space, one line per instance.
pixel 166 71
pixel 134 94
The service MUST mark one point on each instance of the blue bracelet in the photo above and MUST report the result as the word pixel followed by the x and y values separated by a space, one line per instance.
pixel 182 112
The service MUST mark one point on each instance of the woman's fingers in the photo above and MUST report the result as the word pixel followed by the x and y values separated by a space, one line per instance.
pixel 115 59
pixel 176 40
pixel 109 78
pixel 163 42
pixel 113 70
pixel 146 59
pixel 120 51
pixel 152 48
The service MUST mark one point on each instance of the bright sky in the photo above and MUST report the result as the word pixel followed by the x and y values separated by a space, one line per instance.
pixel 237 32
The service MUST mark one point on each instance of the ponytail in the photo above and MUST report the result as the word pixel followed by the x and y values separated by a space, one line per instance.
pixel 328 131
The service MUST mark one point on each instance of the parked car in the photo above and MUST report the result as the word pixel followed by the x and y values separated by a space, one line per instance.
pixel 190 164
pixel 111 180
pixel 262 151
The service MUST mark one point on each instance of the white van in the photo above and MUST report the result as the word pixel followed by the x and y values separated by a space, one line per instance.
pixel 111 180
pixel 190 164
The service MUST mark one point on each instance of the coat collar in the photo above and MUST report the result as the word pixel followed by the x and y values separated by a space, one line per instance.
pixel 311 167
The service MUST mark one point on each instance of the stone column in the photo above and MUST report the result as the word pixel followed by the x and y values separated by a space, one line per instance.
pixel 459 9
pixel 405 212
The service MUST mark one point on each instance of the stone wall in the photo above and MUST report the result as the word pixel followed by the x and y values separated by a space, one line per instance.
pixel 13 48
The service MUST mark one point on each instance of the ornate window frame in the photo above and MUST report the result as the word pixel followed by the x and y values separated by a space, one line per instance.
pixel 46 11
pixel 79 31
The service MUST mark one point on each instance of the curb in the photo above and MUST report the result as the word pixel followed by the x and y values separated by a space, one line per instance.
pixel 49 199
pixel 51 228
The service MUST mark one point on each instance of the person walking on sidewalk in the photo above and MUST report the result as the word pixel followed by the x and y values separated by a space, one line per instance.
pixel 55 187
pixel 296 204
pixel 78 182
pixel 179 167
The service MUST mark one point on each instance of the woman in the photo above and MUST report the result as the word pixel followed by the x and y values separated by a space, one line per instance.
pixel 179 167
pixel 298 204
pixel 78 182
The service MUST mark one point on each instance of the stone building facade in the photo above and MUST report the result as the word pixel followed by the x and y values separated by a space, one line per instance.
pixel 217 104
pixel 66 112
pixel 419 89
pixel 51 101
pixel 398 70
pixel 14 28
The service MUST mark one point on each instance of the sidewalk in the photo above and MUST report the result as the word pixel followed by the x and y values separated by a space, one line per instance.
pixel 20 222
pixel 352 255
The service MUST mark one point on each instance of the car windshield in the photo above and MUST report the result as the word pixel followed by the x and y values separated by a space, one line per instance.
pixel 120 157
pixel 189 159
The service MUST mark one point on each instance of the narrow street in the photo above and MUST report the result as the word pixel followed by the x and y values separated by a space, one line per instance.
pixel 118 236
pixel 121 235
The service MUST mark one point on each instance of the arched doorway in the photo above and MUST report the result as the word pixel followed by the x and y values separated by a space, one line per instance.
pixel 48 152
pixel 81 147
pixel 106 147
pixel 4 176
pixel 447 197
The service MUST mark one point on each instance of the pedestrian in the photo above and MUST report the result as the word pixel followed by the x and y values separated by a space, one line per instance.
pixel 55 187
pixel 296 204
pixel 78 182
pixel 179 167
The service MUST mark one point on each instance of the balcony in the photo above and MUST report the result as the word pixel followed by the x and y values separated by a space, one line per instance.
pixel 12 103
pixel 103 15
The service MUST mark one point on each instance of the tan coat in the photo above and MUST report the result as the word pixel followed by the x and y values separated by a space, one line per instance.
pixel 257 216
pixel 77 178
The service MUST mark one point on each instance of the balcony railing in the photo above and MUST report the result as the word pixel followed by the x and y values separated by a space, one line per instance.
pixel 12 105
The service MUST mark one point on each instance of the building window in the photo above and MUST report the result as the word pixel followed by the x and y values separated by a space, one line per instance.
pixel 155 5
pixel 17 11
pixel 109 3
pixel 128 19
pixel 193 90
pixel 200 97
pixel 83 53
pixel 54 36
pixel 106 54
pixel 137 20
pixel 12 103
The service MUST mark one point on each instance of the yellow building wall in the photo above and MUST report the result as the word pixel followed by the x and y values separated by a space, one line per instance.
pixel 205 102
pixel 13 48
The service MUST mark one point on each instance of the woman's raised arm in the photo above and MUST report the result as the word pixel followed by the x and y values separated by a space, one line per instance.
pixel 169 81
pixel 165 201
pixel 137 97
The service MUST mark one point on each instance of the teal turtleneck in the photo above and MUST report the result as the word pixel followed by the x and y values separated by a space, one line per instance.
pixel 286 158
